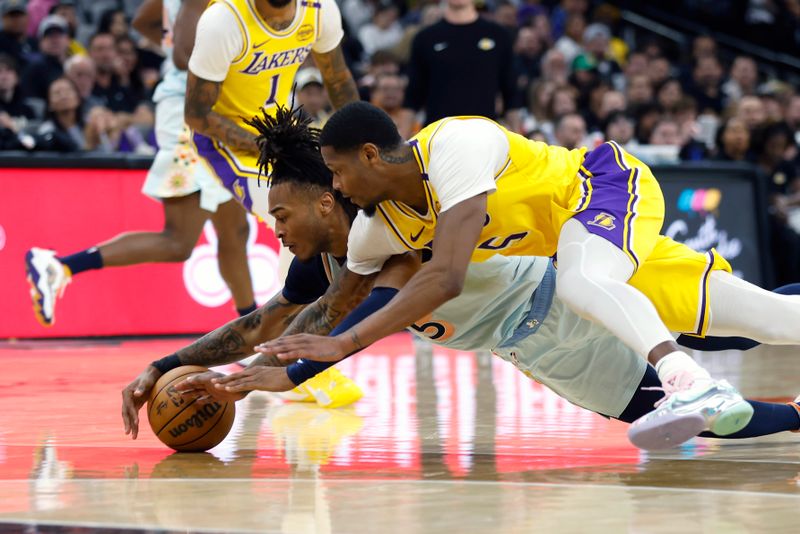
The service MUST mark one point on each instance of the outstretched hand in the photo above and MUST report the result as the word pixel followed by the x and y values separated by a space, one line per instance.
pixel 258 377
pixel 202 386
pixel 134 396
pixel 307 346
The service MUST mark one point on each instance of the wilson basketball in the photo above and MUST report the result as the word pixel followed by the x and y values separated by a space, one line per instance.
pixel 181 422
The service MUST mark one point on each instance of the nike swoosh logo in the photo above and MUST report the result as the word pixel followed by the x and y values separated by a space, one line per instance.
pixel 259 45
pixel 438 47
pixel 415 237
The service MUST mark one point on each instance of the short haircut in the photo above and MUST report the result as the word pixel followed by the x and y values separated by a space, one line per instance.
pixel 358 123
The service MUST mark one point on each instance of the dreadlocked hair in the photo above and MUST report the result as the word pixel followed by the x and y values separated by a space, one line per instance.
pixel 289 153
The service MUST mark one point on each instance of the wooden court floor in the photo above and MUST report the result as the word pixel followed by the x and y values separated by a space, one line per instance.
pixel 443 441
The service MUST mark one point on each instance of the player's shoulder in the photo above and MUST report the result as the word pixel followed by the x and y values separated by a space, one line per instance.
pixel 466 131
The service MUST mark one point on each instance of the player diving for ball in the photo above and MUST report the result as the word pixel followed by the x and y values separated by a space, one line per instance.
pixel 483 191
pixel 508 306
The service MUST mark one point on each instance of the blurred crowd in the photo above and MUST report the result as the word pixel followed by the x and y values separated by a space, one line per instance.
pixel 74 76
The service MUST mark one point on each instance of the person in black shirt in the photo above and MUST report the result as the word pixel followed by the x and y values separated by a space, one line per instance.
pixel 108 89
pixel 13 40
pixel 460 64
pixel 53 44
pixel 11 101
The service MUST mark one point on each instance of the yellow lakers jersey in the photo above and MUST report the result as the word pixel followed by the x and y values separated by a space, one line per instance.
pixel 262 74
pixel 534 190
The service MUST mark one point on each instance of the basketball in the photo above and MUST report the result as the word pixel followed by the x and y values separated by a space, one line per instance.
pixel 181 422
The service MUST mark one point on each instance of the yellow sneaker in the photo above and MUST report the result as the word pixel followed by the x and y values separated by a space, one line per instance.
pixel 332 389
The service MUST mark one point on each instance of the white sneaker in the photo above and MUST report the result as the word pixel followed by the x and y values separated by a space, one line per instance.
pixel 685 412
pixel 48 278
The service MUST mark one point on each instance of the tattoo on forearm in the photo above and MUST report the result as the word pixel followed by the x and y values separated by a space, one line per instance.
pixel 201 95
pixel 356 341
pixel 236 340
pixel 401 155
pixel 337 77
pixel 220 346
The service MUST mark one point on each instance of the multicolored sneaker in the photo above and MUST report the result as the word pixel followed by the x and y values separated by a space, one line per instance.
pixel 685 411
pixel 332 389
pixel 48 279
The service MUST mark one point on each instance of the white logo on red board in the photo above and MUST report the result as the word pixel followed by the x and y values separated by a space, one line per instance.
pixel 201 272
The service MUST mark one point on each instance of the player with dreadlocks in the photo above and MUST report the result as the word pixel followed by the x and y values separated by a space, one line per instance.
pixel 508 304
pixel 313 221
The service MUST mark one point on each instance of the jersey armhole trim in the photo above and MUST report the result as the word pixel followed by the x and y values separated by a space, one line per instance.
pixel 242 31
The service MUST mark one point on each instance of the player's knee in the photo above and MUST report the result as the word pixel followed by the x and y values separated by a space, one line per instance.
pixel 179 250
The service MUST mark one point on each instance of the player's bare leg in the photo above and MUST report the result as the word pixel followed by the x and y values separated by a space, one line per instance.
pixel 230 223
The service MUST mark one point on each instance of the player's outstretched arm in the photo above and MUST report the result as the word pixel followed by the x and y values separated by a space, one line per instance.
pixel 201 95
pixel 438 281
pixel 337 77
pixel 228 343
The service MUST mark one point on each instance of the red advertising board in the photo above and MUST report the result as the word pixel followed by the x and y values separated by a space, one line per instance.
pixel 72 209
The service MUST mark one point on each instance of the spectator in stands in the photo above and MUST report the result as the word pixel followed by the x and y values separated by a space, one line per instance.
pixel 742 80
pixel 115 22
pixel 706 87
pixel 569 44
pixel 527 57
pixel 659 71
pixel 733 141
pixel 563 101
pixel 357 13
pixel 381 62
pixel 638 90
pixel 666 132
pixel 555 68
pixel 611 102
pixel 460 64
pixel 596 39
pixel 505 15
pixel 647 116
pixel 783 188
pixel 66 10
pixel 81 70
pixel 751 110
pixel 128 72
pixel 669 94
pixel 12 105
pixel 383 31
pixel 63 131
pixel 312 96
pixel 53 45
pixel 563 11
pixel 570 130
pixel 13 38
pixel 107 88
pixel 620 128
pixel 388 95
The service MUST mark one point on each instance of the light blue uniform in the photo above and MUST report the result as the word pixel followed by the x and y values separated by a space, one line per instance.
pixel 508 306
pixel 176 170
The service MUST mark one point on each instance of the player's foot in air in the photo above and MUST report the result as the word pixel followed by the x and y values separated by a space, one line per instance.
pixel 332 389
pixel 684 412
pixel 48 278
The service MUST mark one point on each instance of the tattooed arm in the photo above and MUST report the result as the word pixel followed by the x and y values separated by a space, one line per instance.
pixel 201 95
pixel 337 77
pixel 236 339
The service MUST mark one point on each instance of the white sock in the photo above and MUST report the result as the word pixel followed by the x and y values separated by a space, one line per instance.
pixel 676 362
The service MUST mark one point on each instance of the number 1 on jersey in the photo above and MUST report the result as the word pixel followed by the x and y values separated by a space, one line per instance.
pixel 273 92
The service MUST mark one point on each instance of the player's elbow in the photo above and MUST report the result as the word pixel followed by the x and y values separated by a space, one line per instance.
pixel 180 57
